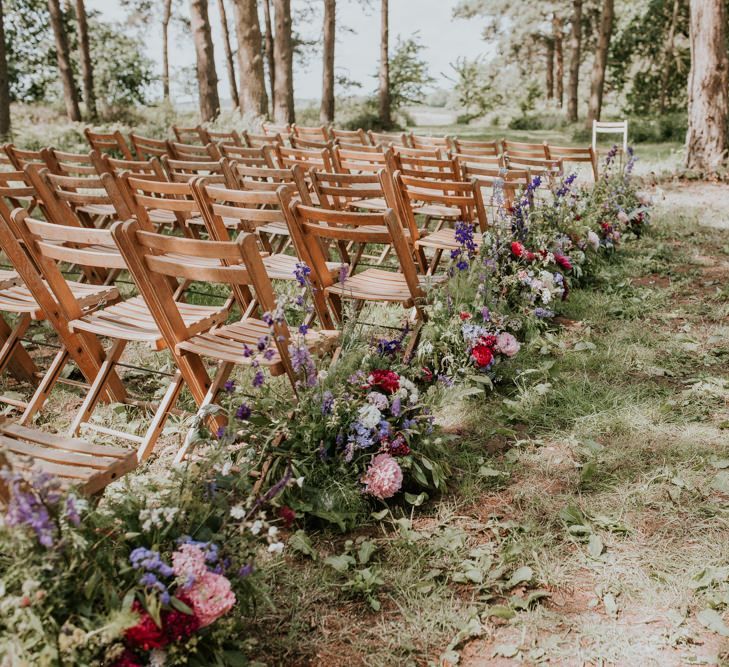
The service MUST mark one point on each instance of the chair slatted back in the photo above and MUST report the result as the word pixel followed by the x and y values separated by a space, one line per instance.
pixel 15 188
pixel 21 157
pixel 282 130
pixel 310 144
pixel 108 142
pixel 340 190
pixel 574 154
pixel 260 140
pixel 253 157
pixel 388 139
pixel 543 166
pixel 148 197
pixel 69 164
pixel 194 152
pixel 225 138
pixel 307 159
pixel 147 147
pixel 479 148
pixel 357 137
pixel 357 161
pixel 315 133
pixel 244 177
pixel 151 168
pixel 438 168
pixel 521 149
pixel 485 161
pixel 426 142
pixel 508 181
pixel 181 171
pixel 191 135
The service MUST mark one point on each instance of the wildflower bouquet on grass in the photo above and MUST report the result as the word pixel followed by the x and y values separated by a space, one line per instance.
pixel 161 571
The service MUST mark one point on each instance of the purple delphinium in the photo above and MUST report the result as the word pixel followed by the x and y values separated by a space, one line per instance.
pixel 543 313
pixel 30 503
pixel 302 273
pixel 303 363
pixel 243 412
pixel 327 403
pixel 258 379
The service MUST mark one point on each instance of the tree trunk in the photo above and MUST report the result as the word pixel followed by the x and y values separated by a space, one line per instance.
pixel 70 96
pixel 326 113
pixel 268 47
pixel 84 52
pixel 384 94
pixel 708 103
pixel 550 68
pixel 575 54
pixel 229 65
pixel 166 15
pixel 250 58
pixel 668 56
pixel 4 83
pixel 557 25
pixel 597 85
pixel 283 56
pixel 207 77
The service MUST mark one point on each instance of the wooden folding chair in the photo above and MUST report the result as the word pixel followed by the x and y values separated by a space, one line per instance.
pixel 522 149
pixel 147 147
pixel 354 137
pixel 181 171
pixel 478 148
pixel 544 167
pixel 6 164
pixel 574 154
pixel 33 301
pixel 502 184
pixel 483 161
pixel 20 157
pixel 283 131
pixel 123 322
pixel 464 197
pixel 360 161
pixel 608 127
pixel 109 142
pixel 425 153
pixel 426 142
pixel 315 133
pixel 224 138
pixel 191 135
pixel 225 210
pixel 194 152
pixel 310 144
pixel 252 157
pixel 307 159
pixel 312 228
pixel 154 260
pixel 260 140
pixel 388 138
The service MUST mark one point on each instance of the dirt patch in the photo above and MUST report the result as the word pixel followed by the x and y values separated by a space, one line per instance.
pixel 652 280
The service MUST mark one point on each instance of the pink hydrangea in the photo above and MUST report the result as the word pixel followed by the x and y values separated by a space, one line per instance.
pixel 189 561
pixel 383 478
pixel 211 597
pixel 507 345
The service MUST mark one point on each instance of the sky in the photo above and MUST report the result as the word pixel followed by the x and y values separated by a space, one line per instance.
pixel 357 53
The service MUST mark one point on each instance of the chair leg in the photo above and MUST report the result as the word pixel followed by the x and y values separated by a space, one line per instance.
pixel 12 353
pixel 413 343
pixel 97 386
pixel 45 386
pixel 160 417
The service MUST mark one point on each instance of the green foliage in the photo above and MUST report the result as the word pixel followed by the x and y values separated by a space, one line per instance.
pixel 474 88
pixel 409 76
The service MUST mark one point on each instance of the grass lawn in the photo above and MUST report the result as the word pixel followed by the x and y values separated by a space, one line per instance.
pixel 587 521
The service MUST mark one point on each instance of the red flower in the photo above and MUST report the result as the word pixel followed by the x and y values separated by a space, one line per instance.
pixel 465 316
pixel 127 659
pixel 398 446
pixel 489 340
pixel 517 249
pixel 287 515
pixel 178 625
pixel 530 256
pixel 482 355
pixel 427 374
pixel 145 634
pixel 388 381
pixel 564 262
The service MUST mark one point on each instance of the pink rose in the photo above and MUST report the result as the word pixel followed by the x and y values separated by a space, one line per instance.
pixel 507 345
pixel 211 597
pixel 383 478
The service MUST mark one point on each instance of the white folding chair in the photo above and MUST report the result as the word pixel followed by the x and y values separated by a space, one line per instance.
pixel 604 127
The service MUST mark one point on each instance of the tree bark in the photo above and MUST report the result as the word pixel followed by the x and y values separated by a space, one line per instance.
pixel 207 77
pixel 326 113
pixel 708 103
pixel 384 93
pixel 550 68
pixel 84 52
pixel 70 96
pixel 575 54
pixel 229 64
pixel 597 85
pixel 557 25
pixel 166 16
pixel 668 54
pixel 268 47
pixel 283 56
pixel 250 58
pixel 4 83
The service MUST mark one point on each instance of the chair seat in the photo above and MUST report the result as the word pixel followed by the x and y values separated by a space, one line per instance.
pixel 373 204
pixel 103 210
pixel 18 299
pixel 281 266
pixel 131 320
pixel 229 343
pixel 375 285
pixel 8 278
pixel 444 239
pixel 73 461
pixel 438 211
pixel 274 228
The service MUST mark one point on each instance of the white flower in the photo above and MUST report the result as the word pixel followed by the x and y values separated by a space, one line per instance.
pixel 369 416
pixel 593 239
pixel 276 547
pixel 546 296
pixel 272 532
pixel 300 481
pixel 157 658
pixel 256 527
pixel 237 512
pixel 226 468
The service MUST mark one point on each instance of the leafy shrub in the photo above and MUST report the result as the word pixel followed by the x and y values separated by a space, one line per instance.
pixel 538 121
